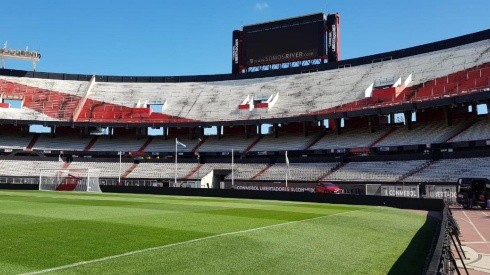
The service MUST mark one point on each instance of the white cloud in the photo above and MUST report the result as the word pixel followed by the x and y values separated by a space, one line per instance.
pixel 261 6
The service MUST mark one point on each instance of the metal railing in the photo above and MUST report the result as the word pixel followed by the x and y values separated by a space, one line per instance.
pixel 443 261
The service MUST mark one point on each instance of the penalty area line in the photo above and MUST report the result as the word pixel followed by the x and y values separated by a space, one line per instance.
pixel 130 253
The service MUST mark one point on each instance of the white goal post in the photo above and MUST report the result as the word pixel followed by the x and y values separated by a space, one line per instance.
pixel 81 180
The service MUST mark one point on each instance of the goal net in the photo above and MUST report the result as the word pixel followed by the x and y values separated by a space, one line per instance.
pixel 81 180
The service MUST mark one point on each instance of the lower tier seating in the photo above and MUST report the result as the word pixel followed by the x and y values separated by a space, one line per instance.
pixel 445 170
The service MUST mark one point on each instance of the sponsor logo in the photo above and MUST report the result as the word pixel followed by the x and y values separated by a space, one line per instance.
pixel 332 39
pixel 401 193
pixel 443 194
pixel 283 57
pixel 275 188
pixel 235 51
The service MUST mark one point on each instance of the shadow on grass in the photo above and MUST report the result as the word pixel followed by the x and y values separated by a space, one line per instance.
pixel 414 258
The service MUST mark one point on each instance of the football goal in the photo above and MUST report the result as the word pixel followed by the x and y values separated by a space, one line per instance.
pixel 81 180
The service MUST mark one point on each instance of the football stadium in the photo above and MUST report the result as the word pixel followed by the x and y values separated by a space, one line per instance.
pixel 296 162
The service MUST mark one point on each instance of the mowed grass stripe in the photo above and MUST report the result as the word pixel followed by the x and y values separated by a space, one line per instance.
pixel 37 234
pixel 150 201
pixel 358 242
pixel 131 253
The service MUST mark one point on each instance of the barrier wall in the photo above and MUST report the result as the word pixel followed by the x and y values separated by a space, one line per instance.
pixel 405 203
pixel 398 202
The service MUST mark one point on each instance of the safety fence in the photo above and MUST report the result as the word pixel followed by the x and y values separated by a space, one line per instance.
pixel 443 260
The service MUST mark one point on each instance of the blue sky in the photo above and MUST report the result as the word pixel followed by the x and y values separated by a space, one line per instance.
pixel 183 37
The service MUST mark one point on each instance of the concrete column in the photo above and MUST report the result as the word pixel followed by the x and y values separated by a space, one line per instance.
pixel 448 115
pixel 408 119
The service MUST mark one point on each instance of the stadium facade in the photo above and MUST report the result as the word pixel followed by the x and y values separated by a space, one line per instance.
pixel 406 116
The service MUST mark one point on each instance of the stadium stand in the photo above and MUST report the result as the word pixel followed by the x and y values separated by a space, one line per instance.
pixel 478 131
pixel 117 143
pixel 162 145
pixel 297 171
pixel 357 98
pixel 56 99
pixel 354 138
pixel 184 170
pixel 72 87
pixel 285 142
pixel 161 170
pixel 12 140
pixel 340 122
pixel 66 142
pixel 247 171
pixel 409 171
pixel 387 171
pixel 423 133
pixel 18 168
pixel 226 144
pixel 450 170
pixel 109 169
pixel 312 93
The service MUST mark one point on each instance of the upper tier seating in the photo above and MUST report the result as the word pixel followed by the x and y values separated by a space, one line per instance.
pixel 389 171
pixel 56 99
pixel 423 133
pixel 226 144
pixel 159 144
pixel 450 170
pixel 355 138
pixel 299 94
pixel 24 114
pixel 461 82
pixel 72 87
pixel 295 141
pixel 63 143
pixel 10 140
pixel 478 131
pixel 116 143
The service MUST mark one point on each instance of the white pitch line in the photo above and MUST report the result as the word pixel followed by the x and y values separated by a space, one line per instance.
pixel 476 229
pixel 174 244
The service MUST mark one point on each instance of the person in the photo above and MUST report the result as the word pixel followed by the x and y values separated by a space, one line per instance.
pixel 471 196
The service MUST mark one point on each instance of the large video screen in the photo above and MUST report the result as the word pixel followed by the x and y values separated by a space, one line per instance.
pixel 284 43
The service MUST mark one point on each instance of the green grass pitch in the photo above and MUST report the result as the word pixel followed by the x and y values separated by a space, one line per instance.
pixel 79 233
